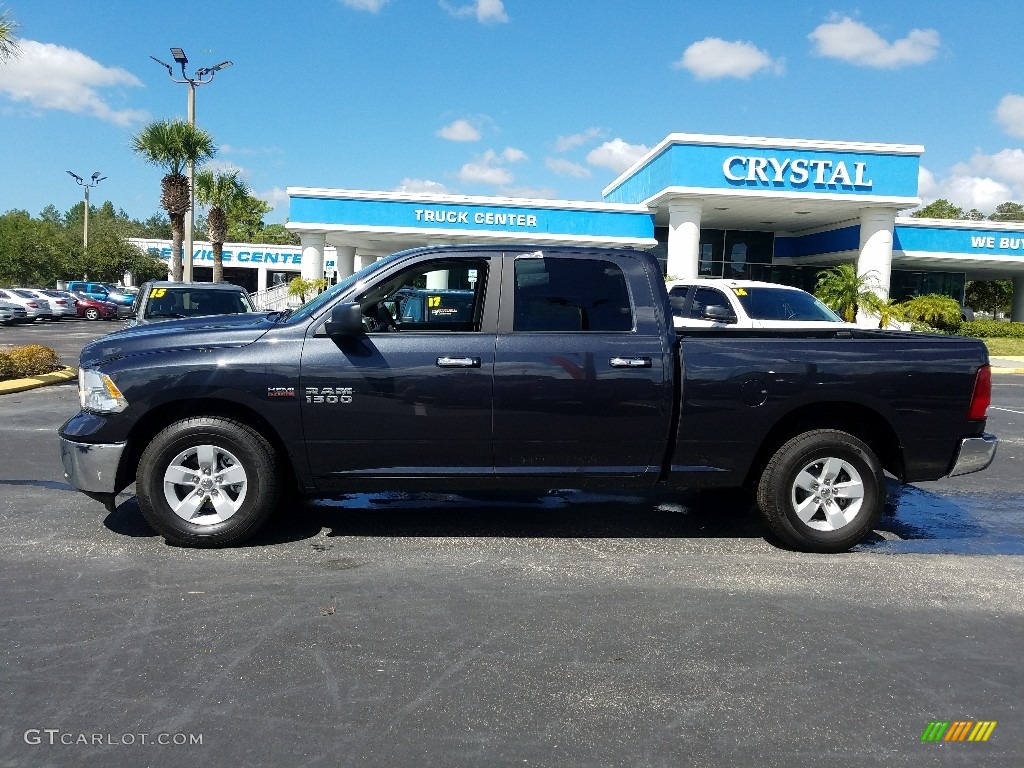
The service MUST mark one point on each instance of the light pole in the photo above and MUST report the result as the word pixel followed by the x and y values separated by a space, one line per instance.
pixel 86 185
pixel 204 72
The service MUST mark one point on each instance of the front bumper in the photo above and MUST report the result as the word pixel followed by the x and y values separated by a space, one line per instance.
pixel 91 467
pixel 975 454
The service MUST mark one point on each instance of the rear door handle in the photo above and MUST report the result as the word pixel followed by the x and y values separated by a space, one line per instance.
pixel 630 362
pixel 458 362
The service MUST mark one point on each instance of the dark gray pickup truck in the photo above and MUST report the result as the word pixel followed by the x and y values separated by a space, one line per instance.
pixel 563 371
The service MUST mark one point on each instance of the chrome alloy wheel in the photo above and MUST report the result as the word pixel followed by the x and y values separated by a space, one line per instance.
pixel 205 484
pixel 827 494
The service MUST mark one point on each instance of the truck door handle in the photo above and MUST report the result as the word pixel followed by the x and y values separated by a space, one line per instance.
pixel 458 362
pixel 630 362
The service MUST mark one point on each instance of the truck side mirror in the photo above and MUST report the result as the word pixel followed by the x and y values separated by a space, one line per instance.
pixel 346 320
pixel 718 313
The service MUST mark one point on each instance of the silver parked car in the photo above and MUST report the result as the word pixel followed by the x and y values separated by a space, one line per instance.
pixel 12 313
pixel 34 307
pixel 60 305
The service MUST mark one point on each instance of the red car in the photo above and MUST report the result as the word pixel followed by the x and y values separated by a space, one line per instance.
pixel 93 309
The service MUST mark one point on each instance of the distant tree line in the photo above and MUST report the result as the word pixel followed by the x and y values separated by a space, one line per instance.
pixel 42 250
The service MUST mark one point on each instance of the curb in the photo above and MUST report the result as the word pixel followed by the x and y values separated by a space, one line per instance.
pixel 22 385
pixel 1007 370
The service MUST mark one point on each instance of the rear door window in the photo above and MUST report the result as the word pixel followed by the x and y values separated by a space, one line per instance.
pixel 570 295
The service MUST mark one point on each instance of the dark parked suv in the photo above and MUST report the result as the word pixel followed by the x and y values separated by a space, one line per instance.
pixel 161 300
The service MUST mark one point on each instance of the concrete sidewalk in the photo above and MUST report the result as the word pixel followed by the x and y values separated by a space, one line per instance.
pixel 1001 364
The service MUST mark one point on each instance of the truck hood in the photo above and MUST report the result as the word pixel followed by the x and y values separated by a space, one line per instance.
pixel 212 332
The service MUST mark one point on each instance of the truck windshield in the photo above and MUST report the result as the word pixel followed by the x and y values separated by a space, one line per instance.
pixel 783 304
pixel 314 306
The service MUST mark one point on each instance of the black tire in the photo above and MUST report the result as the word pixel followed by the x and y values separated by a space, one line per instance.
pixel 822 491
pixel 91 313
pixel 214 511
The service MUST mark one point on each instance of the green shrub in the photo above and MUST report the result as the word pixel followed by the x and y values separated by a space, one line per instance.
pixel 6 366
pixel 940 312
pixel 33 360
pixel 992 329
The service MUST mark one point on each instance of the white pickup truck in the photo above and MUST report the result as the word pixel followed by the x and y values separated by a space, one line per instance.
pixel 715 303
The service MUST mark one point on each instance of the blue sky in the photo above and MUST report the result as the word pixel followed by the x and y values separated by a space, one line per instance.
pixel 503 97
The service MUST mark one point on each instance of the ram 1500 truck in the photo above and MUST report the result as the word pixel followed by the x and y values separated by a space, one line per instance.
pixel 565 371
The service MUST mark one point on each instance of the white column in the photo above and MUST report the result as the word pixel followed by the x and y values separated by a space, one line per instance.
pixel 437 280
pixel 1017 307
pixel 313 244
pixel 876 226
pixel 684 238
pixel 261 278
pixel 345 261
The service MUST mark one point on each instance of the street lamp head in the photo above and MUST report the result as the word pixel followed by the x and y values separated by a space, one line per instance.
pixel 76 177
pixel 96 178
pixel 179 56
pixel 222 65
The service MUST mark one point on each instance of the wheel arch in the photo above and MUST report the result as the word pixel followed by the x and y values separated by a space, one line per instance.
pixel 168 413
pixel 858 420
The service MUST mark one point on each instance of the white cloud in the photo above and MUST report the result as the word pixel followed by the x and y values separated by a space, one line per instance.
pixel 713 58
pixel 562 167
pixel 534 193
pixel 616 154
pixel 365 5
pixel 460 130
pixel 565 143
pixel 853 42
pixel 50 76
pixel 983 182
pixel 1010 114
pixel 485 11
pixel 421 185
pixel 513 155
pixel 488 168
pixel 277 198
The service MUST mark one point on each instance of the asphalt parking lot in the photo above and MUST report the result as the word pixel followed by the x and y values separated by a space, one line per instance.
pixel 567 629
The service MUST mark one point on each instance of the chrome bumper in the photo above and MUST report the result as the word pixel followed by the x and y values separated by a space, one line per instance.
pixel 91 467
pixel 975 454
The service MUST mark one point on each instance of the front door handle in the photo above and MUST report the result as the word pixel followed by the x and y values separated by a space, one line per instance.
pixel 630 362
pixel 458 362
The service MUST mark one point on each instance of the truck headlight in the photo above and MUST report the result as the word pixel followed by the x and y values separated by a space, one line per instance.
pixel 97 392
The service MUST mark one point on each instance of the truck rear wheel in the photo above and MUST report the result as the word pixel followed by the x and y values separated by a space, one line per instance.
pixel 207 481
pixel 822 491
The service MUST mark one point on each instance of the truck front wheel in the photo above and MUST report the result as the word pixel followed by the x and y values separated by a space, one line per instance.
pixel 822 491
pixel 206 482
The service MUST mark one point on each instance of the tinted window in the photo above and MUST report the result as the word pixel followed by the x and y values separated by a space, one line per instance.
pixel 783 304
pixel 435 296
pixel 194 302
pixel 706 297
pixel 555 294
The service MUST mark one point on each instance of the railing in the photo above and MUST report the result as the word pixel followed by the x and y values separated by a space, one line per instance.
pixel 275 297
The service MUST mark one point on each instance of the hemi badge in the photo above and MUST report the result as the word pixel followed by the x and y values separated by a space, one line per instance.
pixel 280 391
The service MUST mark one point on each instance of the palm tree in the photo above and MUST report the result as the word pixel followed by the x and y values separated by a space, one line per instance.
pixel 174 145
pixel 8 45
pixel 844 291
pixel 220 191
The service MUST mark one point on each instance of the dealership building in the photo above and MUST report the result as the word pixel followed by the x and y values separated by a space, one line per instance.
pixel 709 206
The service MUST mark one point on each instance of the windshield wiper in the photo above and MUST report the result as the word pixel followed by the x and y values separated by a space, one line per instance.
pixel 284 314
pixel 165 314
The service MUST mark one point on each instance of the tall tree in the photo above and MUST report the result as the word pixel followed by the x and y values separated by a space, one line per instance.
pixel 940 209
pixel 173 145
pixel 844 291
pixel 1008 211
pixel 8 45
pixel 221 192
pixel 246 219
